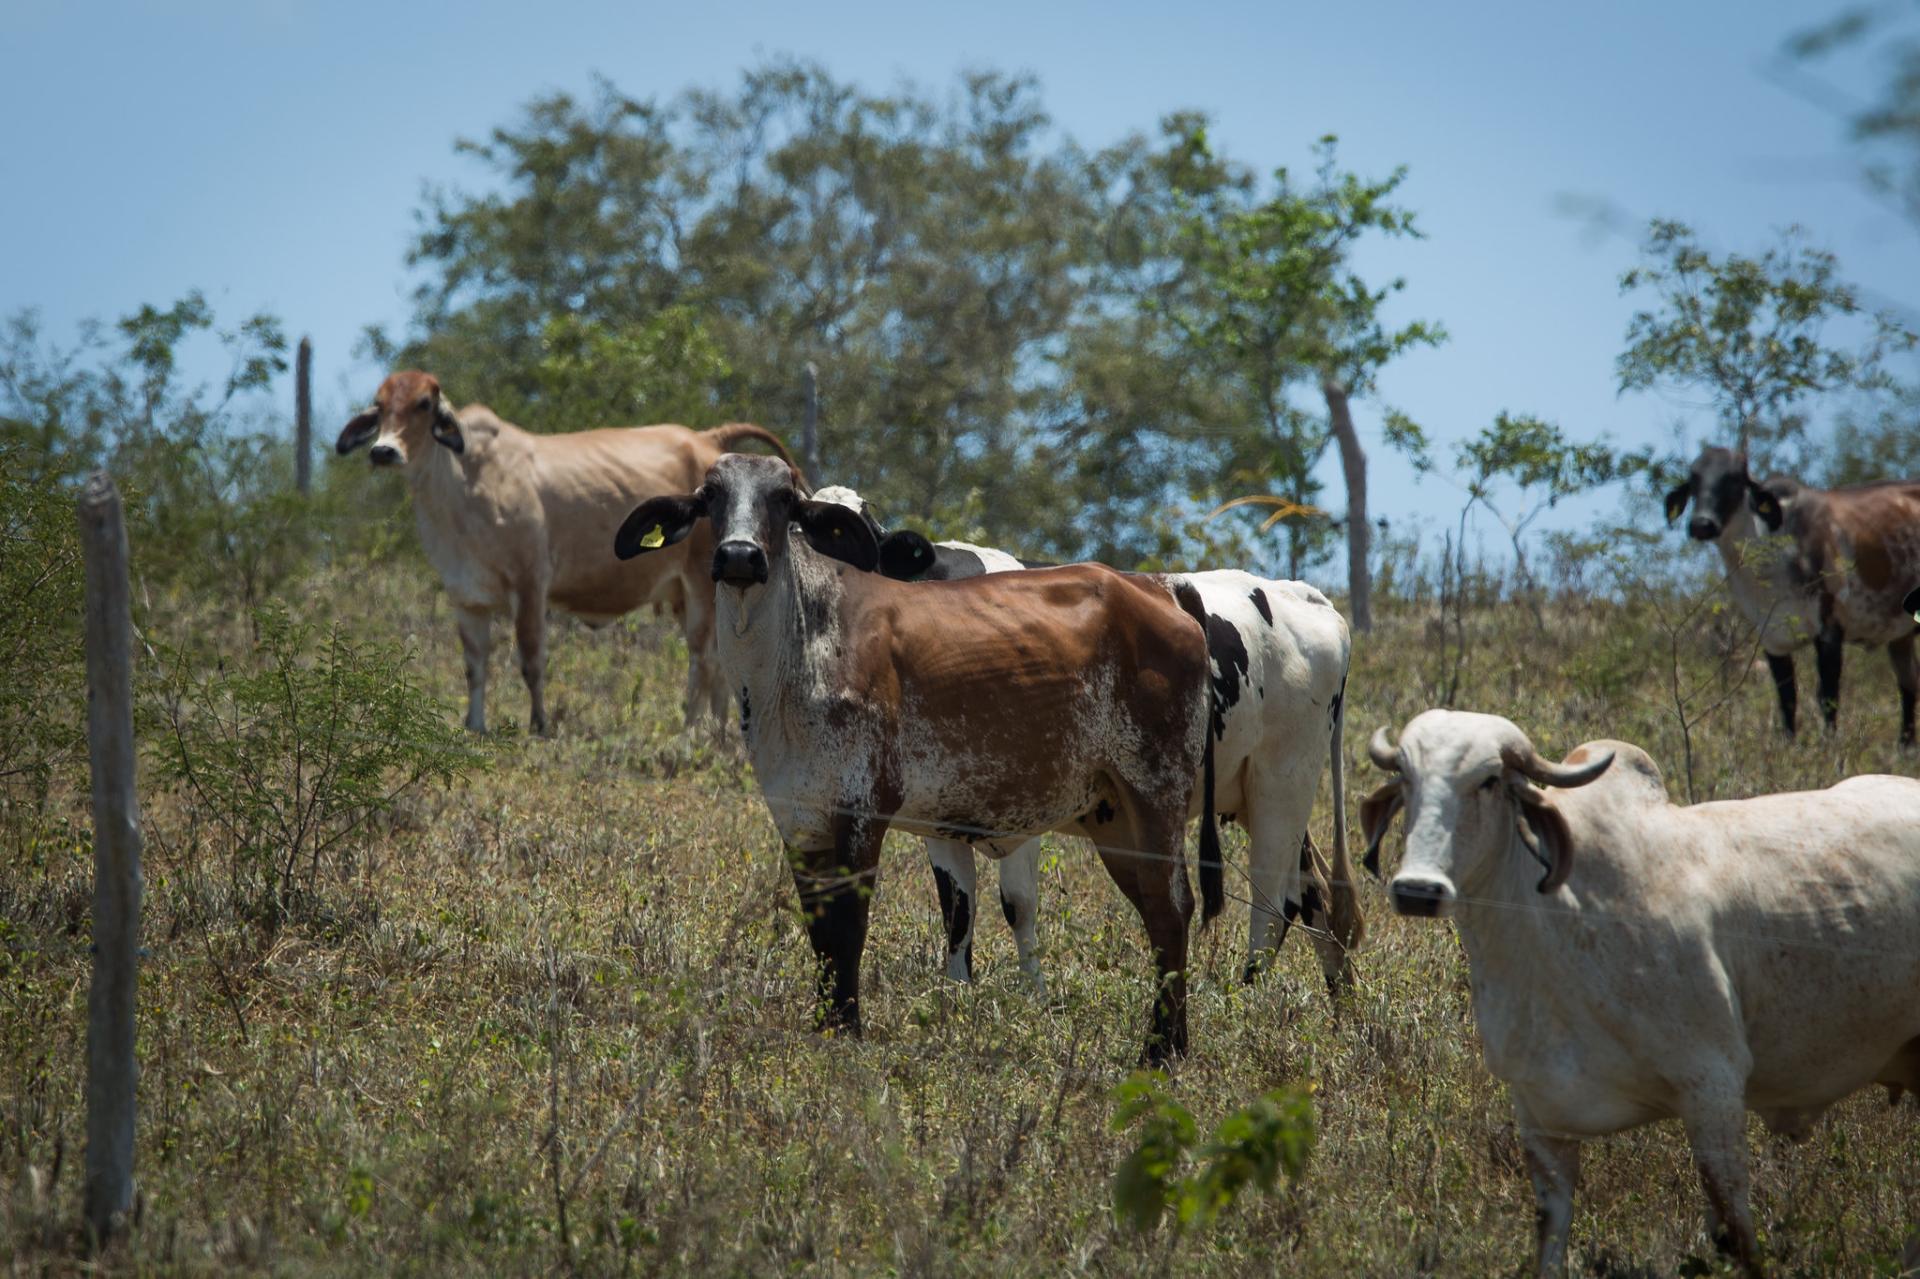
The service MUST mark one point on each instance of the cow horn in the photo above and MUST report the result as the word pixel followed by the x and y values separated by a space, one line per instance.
pixel 1527 762
pixel 1381 750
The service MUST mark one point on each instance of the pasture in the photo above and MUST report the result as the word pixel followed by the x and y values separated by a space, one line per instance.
pixel 557 1017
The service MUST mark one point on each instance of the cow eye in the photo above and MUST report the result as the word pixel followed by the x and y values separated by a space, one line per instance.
pixel 1489 784
pixel 425 402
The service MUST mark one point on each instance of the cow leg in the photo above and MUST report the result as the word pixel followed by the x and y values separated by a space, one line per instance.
pixel 1828 648
pixel 476 642
pixel 835 886
pixel 1901 652
pixel 954 879
pixel 1718 1135
pixel 1780 666
pixel 1553 1164
pixel 1150 868
pixel 1277 806
pixel 1020 903
pixel 530 637
pixel 1316 912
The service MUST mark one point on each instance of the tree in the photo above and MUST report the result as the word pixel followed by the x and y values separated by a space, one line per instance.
pixel 1274 304
pixel 1747 333
pixel 923 254
pixel 1536 461
pixel 211 502
pixel 968 282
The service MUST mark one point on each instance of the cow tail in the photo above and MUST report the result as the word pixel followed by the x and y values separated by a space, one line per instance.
pixel 1212 887
pixel 1349 925
pixel 725 437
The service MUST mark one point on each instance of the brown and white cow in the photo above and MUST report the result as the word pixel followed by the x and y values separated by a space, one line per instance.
pixel 514 521
pixel 1280 653
pixel 1808 565
pixel 995 708
pixel 1633 960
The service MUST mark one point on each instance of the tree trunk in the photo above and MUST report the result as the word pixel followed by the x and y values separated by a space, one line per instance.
pixel 1359 533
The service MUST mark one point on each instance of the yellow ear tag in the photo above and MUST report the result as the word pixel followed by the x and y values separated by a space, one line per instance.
pixel 653 539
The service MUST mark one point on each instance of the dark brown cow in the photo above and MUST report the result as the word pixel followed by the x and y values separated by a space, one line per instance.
pixel 992 709
pixel 514 521
pixel 1808 565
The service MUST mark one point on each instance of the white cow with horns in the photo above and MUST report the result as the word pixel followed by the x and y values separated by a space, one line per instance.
pixel 1278 652
pixel 1635 960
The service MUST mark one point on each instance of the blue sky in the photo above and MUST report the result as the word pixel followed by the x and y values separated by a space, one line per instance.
pixel 273 153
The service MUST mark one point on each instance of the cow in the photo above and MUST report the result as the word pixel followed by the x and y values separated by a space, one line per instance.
pixel 989 709
pixel 514 521
pixel 1634 960
pixel 1278 653
pixel 1825 566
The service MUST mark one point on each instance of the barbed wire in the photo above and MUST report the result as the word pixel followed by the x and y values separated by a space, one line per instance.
pixel 822 884
pixel 826 883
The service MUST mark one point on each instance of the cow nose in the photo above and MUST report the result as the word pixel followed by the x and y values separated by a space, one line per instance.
pixel 739 564
pixel 383 455
pixel 1703 528
pixel 1421 896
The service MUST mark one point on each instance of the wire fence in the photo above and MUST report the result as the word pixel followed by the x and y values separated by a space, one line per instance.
pixel 1544 905
pixel 1539 905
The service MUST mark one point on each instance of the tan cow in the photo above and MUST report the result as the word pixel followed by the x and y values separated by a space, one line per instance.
pixel 514 521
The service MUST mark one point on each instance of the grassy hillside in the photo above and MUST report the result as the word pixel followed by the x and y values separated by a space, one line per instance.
pixel 557 1018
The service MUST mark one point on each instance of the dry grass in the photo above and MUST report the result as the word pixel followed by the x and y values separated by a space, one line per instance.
pixel 559 1020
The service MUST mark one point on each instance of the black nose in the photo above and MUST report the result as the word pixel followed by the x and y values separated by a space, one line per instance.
pixel 1418 897
pixel 1703 528
pixel 383 455
pixel 739 564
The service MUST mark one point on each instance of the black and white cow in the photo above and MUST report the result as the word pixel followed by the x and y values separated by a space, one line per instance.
pixel 1279 653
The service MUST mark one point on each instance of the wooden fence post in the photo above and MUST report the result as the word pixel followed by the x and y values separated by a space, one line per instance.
pixel 810 426
pixel 303 417
pixel 111 1068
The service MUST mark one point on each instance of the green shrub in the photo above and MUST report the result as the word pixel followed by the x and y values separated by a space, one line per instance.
pixel 43 584
pixel 282 756
pixel 1252 1146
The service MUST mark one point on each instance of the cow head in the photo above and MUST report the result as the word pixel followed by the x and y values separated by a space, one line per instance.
pixel 905 555
pixel 1472 787
pixel 752 501
pixel 409 414
pixel 1720 488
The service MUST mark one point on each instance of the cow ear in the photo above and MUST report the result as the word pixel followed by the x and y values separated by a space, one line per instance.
pixel 1677 501
pixel 1545 833
pixel 360 428
pixel 1766 506
pixel 905 555
pixel 1376 817
pixel 658 523
pixel 838 533
pixel 446 426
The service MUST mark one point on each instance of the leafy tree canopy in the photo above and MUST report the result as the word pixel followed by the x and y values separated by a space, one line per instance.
pixel 1749 333
pixel 969 283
